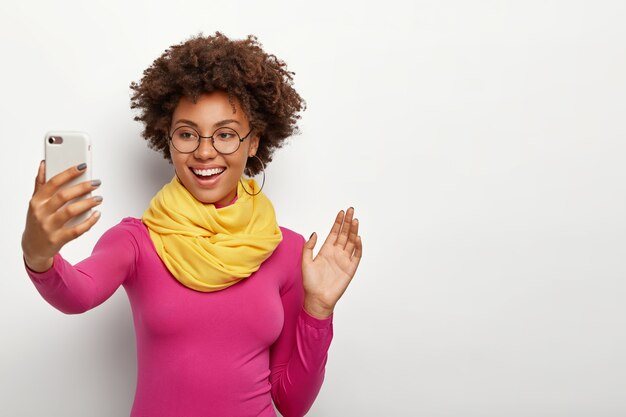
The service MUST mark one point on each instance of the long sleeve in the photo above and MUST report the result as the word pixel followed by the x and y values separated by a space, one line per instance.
pixel 76 289
pixel 298 357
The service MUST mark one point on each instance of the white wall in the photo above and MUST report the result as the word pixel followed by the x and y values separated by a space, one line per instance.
pixel 481 142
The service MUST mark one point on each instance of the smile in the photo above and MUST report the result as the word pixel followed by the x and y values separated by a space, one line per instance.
pixel 207 172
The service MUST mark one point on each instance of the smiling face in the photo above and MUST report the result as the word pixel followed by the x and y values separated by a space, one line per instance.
pixel 208 175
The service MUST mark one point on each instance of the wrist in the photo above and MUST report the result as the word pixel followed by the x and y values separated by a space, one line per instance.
pixel 38 265
pixel 317 310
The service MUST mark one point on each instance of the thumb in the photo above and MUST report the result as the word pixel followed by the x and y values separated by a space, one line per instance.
pixel 307 251
pixel 40 180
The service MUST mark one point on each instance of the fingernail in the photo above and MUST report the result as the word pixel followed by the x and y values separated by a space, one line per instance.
pixel 311 235
pixel 98 198
pixel 82 166
pixel 96 214
pixel 96 183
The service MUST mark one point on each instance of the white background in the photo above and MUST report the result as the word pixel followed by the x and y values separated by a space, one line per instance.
pixel 481 142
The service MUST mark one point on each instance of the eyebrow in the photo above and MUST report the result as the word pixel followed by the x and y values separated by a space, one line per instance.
pixel 218 124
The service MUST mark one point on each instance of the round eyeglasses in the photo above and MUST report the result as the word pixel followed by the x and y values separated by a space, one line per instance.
pixel 225 140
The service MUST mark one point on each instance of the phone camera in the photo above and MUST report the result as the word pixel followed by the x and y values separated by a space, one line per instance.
pixel 55 140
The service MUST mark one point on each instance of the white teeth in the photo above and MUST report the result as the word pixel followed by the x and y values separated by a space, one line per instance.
pixel 208 172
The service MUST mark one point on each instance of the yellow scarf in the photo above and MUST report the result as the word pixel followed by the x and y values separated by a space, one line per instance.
pixel 206 248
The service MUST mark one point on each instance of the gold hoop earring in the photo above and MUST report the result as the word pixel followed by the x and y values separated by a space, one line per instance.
pixel 262 183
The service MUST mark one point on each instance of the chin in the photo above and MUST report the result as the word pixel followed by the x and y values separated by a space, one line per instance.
pixel 210 196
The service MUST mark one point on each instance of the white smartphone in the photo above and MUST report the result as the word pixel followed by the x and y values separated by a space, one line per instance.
pixel 63 150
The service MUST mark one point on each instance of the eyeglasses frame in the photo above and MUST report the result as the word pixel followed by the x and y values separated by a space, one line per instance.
pixel 200 137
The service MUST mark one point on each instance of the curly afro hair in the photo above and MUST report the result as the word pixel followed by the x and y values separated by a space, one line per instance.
pixel 260 81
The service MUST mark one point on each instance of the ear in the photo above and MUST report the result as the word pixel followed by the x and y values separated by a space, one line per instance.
pixel 254 146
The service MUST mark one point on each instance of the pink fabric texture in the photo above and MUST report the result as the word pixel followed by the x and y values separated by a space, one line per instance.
pixel 226 353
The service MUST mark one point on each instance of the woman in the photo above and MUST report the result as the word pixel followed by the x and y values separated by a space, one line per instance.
pixel 230 310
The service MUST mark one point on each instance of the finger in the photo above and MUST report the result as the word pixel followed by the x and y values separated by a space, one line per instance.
pixel 54 183
pixel 358 254
pixel 354 233
pixel 72 233
pixel 342 239
pixel 358 251
pixel 61 197
pixel 72 210
pixel 40 179
pixel 335 229
pixel 307 251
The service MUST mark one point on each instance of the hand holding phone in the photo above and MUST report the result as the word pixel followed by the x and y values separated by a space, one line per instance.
pixel 58 210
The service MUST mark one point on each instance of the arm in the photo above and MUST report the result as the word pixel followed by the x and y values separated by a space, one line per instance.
pixel 309 304
pixel 76 289
pixel 298 357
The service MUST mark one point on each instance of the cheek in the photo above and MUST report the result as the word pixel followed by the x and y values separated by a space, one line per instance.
pixel 178 162
pixel 238 159
pixel 180 165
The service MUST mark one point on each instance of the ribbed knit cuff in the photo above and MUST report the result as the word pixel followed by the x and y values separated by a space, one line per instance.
pixel 314 321
pixel 44 274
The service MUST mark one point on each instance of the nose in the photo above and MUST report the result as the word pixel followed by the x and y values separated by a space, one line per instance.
pixel 205 149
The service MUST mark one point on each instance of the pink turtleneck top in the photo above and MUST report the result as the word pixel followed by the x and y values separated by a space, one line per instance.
pixel 227 353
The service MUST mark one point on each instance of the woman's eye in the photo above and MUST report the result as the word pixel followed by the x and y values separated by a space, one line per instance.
pixel 225 136
pixel 186 135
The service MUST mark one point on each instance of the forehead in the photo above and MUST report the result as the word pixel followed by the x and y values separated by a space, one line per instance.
pixel 209 109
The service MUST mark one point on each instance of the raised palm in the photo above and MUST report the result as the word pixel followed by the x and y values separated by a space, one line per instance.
pixel 326 277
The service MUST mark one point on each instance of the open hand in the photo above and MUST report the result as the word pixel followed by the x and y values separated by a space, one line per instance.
pixel 326 277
